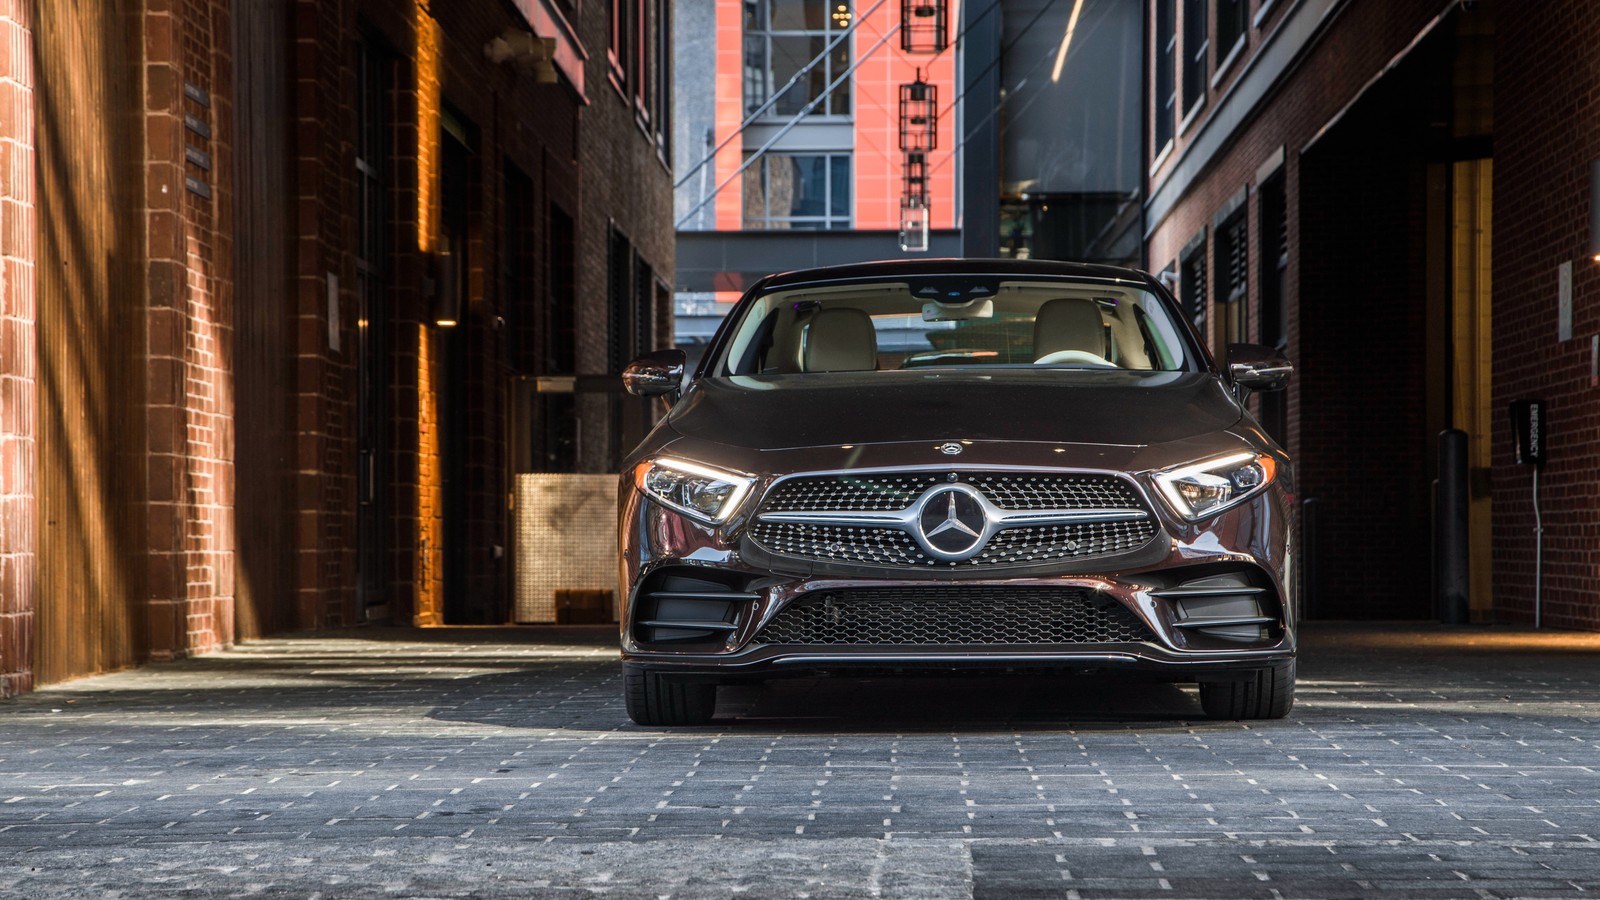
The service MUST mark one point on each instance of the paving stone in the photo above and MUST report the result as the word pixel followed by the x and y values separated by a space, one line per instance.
pixel 391 762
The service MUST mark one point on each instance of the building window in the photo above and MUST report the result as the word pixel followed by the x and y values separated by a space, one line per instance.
pixel 781 37
pixel 1273 328
pixel 1232 272
pixel 519 299
pixel 1166 80
pixel 372 122
pixel 644 310
pixel 619 296
pixel 1196 43
pixel 1274 243
pixel 1231 23
pixel 1192 283
pixel 625 47
pixel 560 340
pixel 661 78
pixel 799 191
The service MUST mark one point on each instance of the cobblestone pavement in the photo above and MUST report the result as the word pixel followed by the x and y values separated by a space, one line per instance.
pixel 1418 761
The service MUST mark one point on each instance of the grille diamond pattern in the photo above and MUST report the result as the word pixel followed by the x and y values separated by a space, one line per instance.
pixel 874 546
pixel 954 616
pixel 1042 543
pixel 834 492
pixel 1023 545
pixel 1028 491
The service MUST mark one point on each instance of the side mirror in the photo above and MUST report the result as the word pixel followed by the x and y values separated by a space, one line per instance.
pixel 1258 368
pixel 655 374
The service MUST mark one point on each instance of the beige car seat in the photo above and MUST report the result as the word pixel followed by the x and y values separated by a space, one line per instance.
pixel 1069 323
pixel 840 339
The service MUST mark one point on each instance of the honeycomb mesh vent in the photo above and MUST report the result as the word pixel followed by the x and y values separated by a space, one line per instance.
pixel 978 615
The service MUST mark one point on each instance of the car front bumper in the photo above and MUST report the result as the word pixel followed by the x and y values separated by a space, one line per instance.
pixel 1250 543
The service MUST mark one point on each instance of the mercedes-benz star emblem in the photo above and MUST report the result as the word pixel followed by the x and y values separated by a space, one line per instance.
pixel 952 522
pixel 950 448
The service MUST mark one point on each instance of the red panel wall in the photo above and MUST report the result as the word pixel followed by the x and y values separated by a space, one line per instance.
pixel 878 162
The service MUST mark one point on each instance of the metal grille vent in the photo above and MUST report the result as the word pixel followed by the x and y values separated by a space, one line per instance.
pixel 954 616
pixel 1056 491
pixel 883 492
pixel 873 546
pixel 1042 543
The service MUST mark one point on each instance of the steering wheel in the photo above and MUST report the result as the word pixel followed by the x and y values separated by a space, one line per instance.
pixel 1074 356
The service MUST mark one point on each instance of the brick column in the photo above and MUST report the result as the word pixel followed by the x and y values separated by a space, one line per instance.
pixel 17 349
pixel 189 318
pixel 325 533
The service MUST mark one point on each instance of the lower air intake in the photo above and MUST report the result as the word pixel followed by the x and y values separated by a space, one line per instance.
pixel 955 616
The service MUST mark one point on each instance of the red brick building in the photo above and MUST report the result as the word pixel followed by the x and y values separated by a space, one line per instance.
pixel 1547 133
pixel 1390 192
pixel 275 274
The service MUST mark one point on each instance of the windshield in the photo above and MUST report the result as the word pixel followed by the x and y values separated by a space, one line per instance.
pixel 927 323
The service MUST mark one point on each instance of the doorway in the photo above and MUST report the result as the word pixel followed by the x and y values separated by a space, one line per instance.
pixel 454 185
pixel 372 337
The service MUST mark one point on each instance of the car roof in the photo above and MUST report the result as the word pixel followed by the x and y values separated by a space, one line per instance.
pixel 893 268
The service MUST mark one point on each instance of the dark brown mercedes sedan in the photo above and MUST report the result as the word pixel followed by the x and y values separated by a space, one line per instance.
pixel 951 465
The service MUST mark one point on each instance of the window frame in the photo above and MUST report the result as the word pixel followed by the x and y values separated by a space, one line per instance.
pixel 763 75
pixel 1230 266
pixel 1193 294
pixel 1231 51
pixel 1165 77
pixel 1196 45
pixel 827 221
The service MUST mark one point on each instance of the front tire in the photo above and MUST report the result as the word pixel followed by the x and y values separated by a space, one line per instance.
pixel 662 700
pixel 1265 694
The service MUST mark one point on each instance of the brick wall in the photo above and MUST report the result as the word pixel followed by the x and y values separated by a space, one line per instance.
pixel 1547 129
pixel 323 467
pixel 17 350
pixel 449 388
pixel 626 184
pixel 174 591
pixel 1369 500
pixel 189 322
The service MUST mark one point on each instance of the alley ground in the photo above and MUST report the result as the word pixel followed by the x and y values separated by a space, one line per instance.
pixel 1418 762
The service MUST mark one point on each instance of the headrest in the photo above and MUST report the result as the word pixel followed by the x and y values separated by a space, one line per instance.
pixel 841 339
pixel 1069 323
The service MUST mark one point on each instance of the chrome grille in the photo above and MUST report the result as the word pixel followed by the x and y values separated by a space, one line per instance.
pixel 859 504
pixel 954 616
pixel 1042 543
pixel 874 546
pixel 1031 491
pixel 849 492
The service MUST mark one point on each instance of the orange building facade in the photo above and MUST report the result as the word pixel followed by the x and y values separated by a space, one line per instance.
pixel 869 112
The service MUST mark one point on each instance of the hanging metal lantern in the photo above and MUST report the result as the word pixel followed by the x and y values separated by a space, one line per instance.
pixel 919 116
pixel 924 26
pixel 913 226
pixel 916 178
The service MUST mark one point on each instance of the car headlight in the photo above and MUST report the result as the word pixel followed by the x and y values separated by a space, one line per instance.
pixel 698 491
pixel 1207 488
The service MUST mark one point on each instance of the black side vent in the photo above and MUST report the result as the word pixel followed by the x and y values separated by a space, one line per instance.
pixel 1225 606
pixel 675 606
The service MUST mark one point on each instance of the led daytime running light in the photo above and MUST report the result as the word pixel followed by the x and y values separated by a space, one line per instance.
pixel 1202 490
pixel 723 492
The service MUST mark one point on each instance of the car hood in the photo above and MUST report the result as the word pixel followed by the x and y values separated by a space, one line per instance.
pixel 782 412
